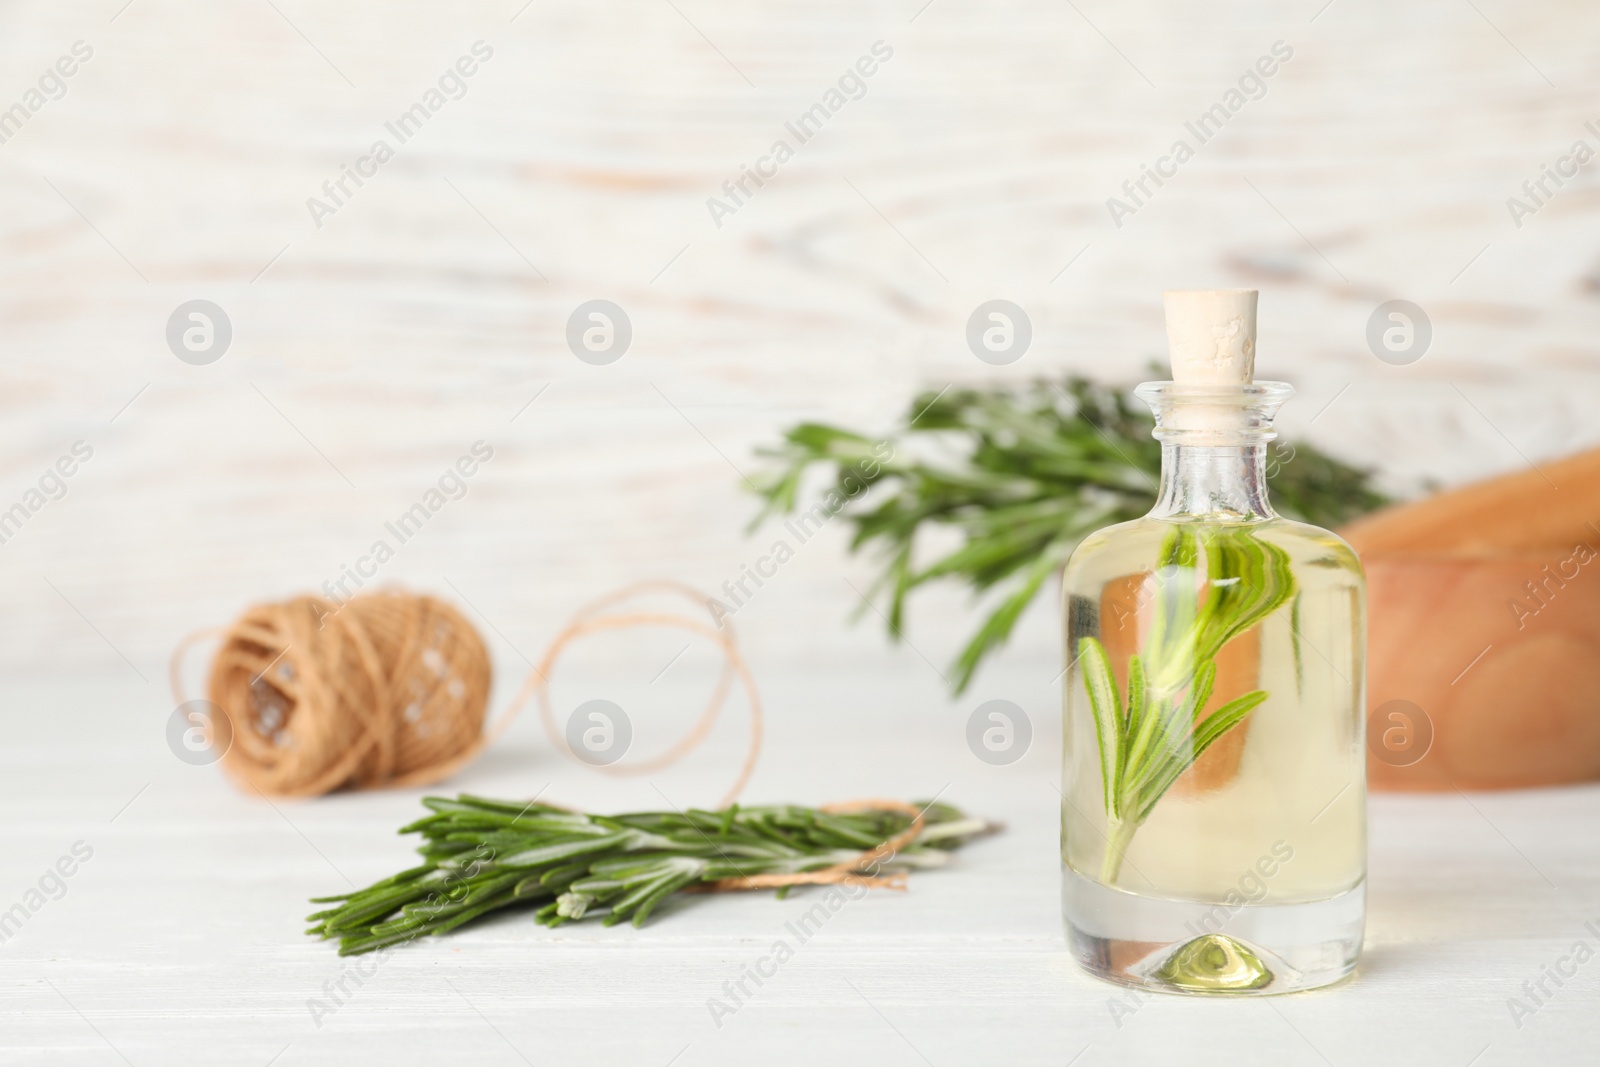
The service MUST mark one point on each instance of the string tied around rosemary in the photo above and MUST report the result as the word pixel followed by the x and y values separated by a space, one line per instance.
pixel 854 871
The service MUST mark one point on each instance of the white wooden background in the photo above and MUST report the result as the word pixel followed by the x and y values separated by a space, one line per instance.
pixel 977 166
pixel 370 353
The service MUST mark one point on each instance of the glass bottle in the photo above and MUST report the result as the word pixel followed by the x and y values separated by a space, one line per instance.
pixel 1224 851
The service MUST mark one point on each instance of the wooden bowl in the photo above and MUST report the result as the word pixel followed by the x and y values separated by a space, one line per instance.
pixel 1500 657
pixel 1484 613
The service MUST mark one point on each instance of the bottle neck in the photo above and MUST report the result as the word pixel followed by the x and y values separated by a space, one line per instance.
pixel 1214 448
pixel 1227 483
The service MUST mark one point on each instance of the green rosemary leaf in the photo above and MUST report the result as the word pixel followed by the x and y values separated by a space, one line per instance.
pixel 1204 679
pixel 446 806
pixel 1299 659
pixel 1249 579
pixel 354 946
pixel 1164 736
pixel 1212 727
pixel 666 890
pixel 357 914
pixel 560 877
pixel 847 834
pixel 666 879
pixel 1152 740
pixel 1139 709
pixel 1104 703
pixel 1224 719
pixel 515 808
pixel 996 629
pixel 566 850
pixel 1173 615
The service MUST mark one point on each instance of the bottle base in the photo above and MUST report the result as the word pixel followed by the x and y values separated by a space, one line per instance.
pixel 1187 947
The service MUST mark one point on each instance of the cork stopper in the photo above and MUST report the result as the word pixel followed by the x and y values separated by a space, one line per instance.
pixel 1212 335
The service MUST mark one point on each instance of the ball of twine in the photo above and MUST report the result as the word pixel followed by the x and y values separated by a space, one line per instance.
pixel 387 689
pixel 391 689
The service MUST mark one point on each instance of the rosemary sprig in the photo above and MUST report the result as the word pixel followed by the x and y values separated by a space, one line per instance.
pixel 1213 583
pixel 1034 471
pixel 481 855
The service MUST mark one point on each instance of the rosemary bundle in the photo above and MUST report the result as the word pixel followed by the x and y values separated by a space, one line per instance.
pixel 1148 739
pixel 1026 474
pixel 482 855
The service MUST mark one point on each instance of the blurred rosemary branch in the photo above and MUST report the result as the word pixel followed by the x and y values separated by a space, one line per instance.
pixel 1025 474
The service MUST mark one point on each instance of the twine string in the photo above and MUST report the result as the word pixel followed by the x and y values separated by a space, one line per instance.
pixel 852 871
pixel 390 689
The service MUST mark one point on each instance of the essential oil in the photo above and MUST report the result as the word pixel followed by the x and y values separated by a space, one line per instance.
pixel 1214 796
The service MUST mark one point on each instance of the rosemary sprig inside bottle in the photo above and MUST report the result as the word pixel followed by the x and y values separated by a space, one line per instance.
pixel 482 855
pixel 1152 734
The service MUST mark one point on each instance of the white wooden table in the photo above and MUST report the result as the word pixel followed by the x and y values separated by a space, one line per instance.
pixel 179 940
